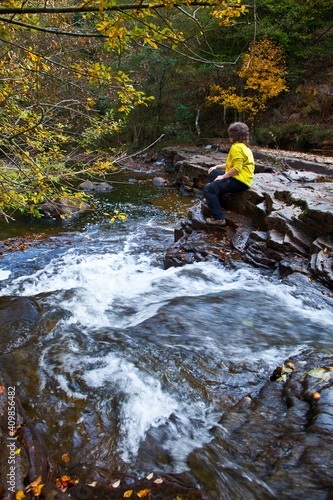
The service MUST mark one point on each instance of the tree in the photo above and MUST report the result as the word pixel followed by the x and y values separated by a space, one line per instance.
pixel 62 90
pixel 263 72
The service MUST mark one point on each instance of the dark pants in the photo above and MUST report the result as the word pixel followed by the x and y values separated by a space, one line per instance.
pixel 215 189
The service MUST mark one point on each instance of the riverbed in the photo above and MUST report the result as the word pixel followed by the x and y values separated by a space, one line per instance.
pixel 131 366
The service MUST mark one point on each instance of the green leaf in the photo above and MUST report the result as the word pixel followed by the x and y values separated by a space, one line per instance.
pixel 320 373
pixel 247 323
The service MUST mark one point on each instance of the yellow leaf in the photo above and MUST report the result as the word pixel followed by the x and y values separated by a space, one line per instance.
pixel 36 483
pixel 18 451
pixel 128 493
pixel 65 457
pixel 19 495
pixel 143 493
pixel 37 490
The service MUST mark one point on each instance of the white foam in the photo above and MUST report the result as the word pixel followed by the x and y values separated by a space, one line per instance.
pixel 4 274
pixel 144 405
pixel 103 284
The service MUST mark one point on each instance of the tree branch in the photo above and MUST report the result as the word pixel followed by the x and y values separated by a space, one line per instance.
pixel 50 30
pixel 85 9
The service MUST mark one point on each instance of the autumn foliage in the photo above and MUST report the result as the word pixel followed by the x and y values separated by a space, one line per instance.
pixel 263 73
pixel 62 91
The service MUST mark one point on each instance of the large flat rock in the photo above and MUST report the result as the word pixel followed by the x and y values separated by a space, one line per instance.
pixel 291 209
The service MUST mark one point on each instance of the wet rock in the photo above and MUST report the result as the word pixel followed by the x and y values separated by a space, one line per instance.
pixel 321 262
pixel 64 208
pixel 158 487
pixel 24 459
pixel 95 187
pixel 18 317
pixel 23 456
pixel 284 213
pixel 159 181
pixel 281 439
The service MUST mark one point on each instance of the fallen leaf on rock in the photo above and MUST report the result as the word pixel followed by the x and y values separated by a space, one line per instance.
pixel 19 495
pixel 316 395
pixel 93 484
pixel 37 490
pixel 64 481
pixel 65 458
pixel 128 493
pixel 245 322
pixel 158 481
pixel 1 389
pixel 150 476
pixel 36 483
pixel 116 484
pixel 143 493
pixel 320 373
pixel 18 451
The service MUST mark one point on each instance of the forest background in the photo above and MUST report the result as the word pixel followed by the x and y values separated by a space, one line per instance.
pixel 84 84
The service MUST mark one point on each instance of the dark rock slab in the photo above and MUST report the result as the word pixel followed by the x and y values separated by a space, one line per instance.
pixel 280 440
pixel 18 318
pixel 289 209
pixel 23 456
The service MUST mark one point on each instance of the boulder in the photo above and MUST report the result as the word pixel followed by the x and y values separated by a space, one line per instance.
pixel 159 181
pixel 95 187
pixel 18 318
pixel 64 208
pixel 284 222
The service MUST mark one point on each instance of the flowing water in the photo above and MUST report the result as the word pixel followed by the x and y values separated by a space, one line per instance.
pixel 131 366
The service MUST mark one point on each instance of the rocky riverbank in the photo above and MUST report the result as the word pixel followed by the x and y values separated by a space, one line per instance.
pixel 284 223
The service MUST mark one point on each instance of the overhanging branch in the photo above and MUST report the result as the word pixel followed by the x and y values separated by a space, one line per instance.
pixel 85 9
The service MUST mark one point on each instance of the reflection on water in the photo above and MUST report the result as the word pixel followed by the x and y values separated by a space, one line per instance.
pixel 132 365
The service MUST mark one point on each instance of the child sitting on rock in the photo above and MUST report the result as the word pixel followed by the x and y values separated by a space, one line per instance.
pixel 237 174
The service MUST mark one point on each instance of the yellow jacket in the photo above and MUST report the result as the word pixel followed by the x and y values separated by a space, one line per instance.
pixel 240 157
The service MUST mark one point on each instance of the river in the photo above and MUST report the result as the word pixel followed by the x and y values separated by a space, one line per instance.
pixel 131 366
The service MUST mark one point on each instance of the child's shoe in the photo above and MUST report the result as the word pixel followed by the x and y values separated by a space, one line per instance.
pixel 216 222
